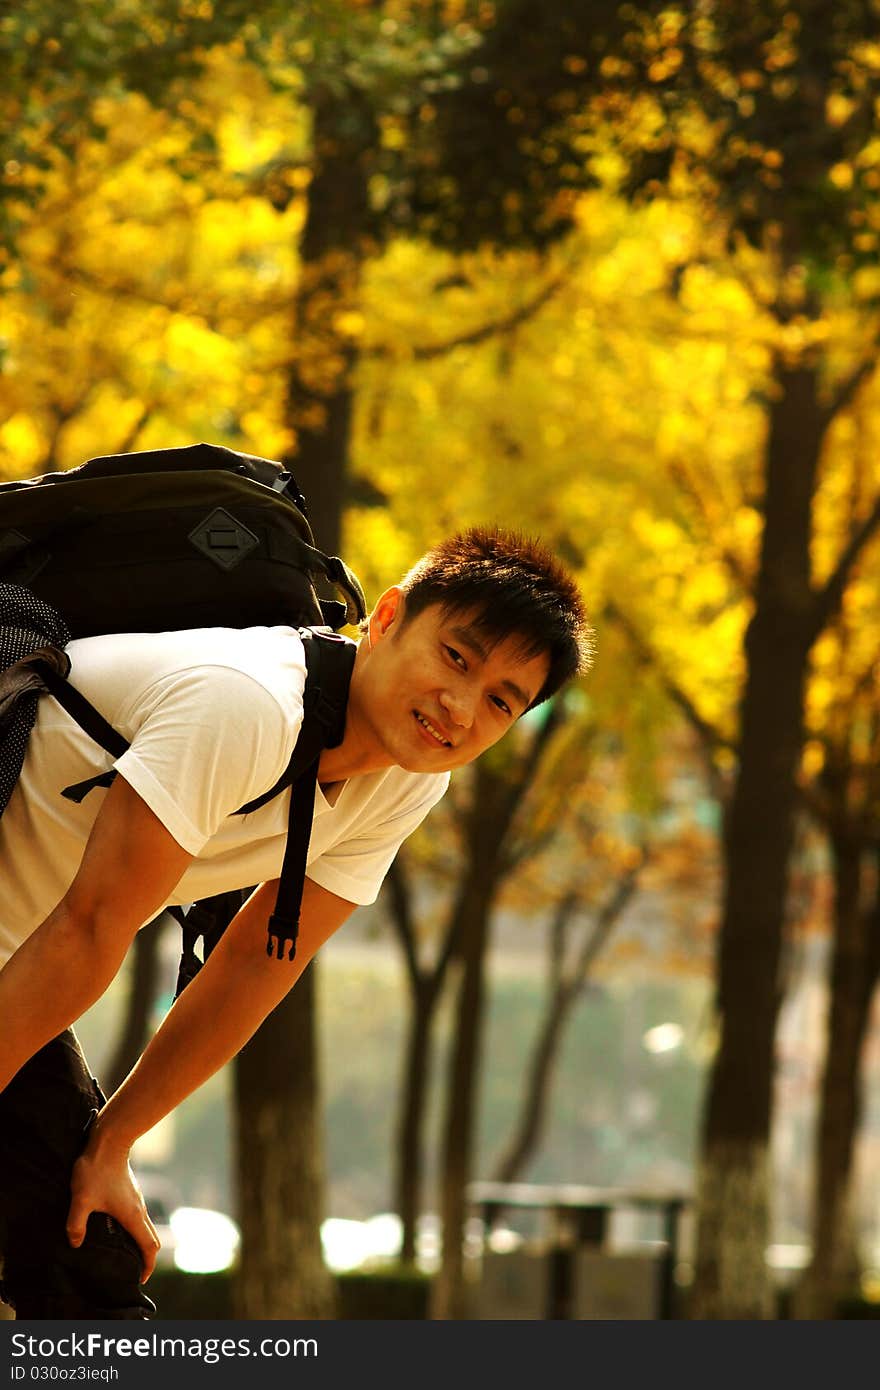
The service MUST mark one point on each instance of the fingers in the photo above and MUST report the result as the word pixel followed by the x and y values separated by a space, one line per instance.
pixel 144 1232
pixel 138 1225
pixel 149 1245
pixel 77 1217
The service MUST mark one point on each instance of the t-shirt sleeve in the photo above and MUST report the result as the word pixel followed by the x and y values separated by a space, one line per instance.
pixel 213 739
pixel 355 868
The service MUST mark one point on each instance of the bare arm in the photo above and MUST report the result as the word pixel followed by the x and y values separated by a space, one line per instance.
pixel 129 869
pixel 210 1022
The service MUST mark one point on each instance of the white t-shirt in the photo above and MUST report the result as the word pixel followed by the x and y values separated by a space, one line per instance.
pixel 212 716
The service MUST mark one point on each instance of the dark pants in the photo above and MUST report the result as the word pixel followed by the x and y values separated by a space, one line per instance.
pixel 45 1114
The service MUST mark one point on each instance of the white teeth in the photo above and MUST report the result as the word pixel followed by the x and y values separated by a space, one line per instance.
pixel 431 730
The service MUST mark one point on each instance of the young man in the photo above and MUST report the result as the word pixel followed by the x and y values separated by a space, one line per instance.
pixel 484 627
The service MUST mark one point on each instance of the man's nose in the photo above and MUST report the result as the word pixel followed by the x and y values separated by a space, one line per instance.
pixel 460 707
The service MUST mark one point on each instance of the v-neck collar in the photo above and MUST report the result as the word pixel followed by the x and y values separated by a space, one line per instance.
pixel 328 799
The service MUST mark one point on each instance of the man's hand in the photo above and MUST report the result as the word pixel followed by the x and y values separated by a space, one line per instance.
pixel 211 1021
pixel 102 1180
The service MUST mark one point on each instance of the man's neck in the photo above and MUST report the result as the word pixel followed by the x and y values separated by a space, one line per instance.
pixel 338 764
pixel 358 752
pixel 354 757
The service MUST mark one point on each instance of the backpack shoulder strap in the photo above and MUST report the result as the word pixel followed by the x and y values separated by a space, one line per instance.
pixel 329 663
pixel 32 638
pixel 90 721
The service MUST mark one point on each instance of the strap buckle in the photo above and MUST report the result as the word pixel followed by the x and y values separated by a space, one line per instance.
pixel 281 930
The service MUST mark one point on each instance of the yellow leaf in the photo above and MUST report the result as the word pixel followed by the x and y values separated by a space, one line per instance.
pixel 841 175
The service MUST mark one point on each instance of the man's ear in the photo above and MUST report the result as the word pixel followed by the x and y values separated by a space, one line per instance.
pixel 387 612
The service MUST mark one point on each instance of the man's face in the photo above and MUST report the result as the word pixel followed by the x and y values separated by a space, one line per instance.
pixel 433 693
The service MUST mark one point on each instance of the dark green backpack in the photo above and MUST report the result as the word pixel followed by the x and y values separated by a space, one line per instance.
pixel 171 539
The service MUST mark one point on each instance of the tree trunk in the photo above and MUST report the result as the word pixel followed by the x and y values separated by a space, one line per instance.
pixel 139 1006
pixel 281 1193
pixel 334 246
pixel 461 1097
pixel 501 779
pixel 563 992
pixel 530 1124
pixel 280 1166
pixel 413 1104
pixel 732 1198
pixel 833 1271
pixel 425 988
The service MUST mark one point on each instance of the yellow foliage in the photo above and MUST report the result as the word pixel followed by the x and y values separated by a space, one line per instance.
pixel 21 446
pixel 156 295
pixel 841 175
pixel 350 323
pixel 867 55
pixel 866 282
pixel 838 108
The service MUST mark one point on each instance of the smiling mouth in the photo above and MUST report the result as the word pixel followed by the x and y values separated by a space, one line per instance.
pixel 429 728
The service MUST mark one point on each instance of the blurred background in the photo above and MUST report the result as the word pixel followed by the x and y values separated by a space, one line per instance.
pixel 606 1045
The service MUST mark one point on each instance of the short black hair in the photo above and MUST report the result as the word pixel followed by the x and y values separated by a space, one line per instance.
pixel 511 586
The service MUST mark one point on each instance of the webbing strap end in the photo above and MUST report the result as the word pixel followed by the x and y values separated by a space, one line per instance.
pixel 280 931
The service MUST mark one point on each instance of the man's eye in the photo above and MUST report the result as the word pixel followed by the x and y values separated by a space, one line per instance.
pixel 457 658
pixel 502 704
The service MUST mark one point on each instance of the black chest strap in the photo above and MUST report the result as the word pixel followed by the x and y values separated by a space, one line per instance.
pixel 329 663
